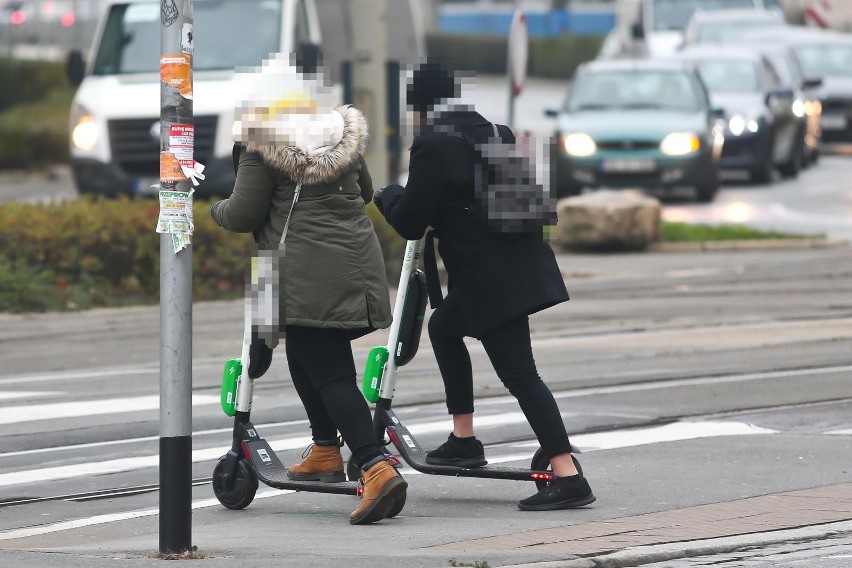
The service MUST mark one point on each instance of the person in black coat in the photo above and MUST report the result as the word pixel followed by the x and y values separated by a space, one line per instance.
pixel 495 281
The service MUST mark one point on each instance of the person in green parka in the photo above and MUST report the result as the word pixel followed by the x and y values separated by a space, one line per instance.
pixel 334 287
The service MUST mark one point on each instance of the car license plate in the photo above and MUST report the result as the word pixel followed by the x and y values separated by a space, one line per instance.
pixel 833 122
pixel 628 165
pixel 144 186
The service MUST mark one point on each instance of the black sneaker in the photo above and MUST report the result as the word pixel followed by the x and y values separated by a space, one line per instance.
pixel 459 452
pixel 562 493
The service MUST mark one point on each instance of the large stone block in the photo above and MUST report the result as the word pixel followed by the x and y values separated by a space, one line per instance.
pixel 608 221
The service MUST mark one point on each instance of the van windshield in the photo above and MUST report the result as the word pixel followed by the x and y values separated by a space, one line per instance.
pixel 675 14
pixel 228 34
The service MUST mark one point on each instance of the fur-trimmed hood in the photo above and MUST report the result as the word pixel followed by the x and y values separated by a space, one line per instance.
pixel 326 165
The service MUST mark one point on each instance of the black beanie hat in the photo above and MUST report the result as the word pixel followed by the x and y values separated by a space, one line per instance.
pixel 430 83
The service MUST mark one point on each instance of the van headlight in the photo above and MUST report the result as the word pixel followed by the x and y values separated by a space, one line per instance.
pixel 680 144
pixel 84 130
pixel 579 145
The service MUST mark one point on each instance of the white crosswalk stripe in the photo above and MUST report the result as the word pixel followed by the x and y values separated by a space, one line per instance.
pixel 586 442
pixel 33 412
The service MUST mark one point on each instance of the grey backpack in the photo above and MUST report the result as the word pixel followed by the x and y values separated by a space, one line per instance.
pixel 507 196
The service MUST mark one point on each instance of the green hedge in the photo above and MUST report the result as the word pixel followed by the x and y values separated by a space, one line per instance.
pixel 27 81
pixel 105 252
pixel 556 58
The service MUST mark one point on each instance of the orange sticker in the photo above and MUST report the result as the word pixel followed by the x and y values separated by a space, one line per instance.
pixel 170 168
pixel 176 71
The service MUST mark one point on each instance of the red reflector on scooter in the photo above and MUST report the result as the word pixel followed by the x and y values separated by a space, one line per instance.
pixel 544 476
pixel 393 437
pixel 246 453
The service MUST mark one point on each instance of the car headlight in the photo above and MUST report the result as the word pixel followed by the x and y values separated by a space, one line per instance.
pixel 739 124
pixel 798 108
pixel 579 144
pixel 84 130
pixel 680 144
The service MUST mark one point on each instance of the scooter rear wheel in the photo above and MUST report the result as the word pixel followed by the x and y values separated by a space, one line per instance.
pixel 242 491
pixel 540 462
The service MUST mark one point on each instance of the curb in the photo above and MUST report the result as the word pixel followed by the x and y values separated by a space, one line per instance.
pixel 642 555
pixel 749 245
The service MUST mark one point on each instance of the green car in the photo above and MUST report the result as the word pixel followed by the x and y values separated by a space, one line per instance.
pixel 638 124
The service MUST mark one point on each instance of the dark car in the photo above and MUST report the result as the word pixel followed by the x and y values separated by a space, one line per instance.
pixel 827 55
pixel 636 123
pixel 761 130
pixel 806 105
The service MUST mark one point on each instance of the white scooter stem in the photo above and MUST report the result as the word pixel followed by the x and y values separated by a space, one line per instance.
pixel 244 382
pixel 409 265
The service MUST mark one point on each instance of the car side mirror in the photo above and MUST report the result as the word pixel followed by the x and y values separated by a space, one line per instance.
pixel 551 112
pixel 637 31
pixel 75 68
pixel 812 83
pixel 779 95
pixel 717 113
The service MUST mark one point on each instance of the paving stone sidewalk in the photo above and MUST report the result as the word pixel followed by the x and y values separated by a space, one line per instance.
pixel 745 516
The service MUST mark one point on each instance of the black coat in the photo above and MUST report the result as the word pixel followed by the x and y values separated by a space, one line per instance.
pixel 499 277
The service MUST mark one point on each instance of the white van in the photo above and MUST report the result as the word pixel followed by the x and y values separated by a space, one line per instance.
pixel 119 87
pixel 654 28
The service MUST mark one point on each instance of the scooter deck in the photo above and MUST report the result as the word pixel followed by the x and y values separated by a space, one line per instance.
pixel 415 456
pixel 272 472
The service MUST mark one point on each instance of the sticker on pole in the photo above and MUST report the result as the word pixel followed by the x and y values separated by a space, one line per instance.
pixel 186 44
pixel 176 217
pixel 181 141
pixel 519 47
pixel 176 72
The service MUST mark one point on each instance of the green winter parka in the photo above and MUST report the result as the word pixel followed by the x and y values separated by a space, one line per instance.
pixel 333 273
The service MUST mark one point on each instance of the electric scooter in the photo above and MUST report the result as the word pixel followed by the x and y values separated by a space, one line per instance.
pixel 379 383
pixel 251 459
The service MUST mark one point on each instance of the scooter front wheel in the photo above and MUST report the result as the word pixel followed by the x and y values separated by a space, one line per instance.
pixel 540 462
pixel 241 492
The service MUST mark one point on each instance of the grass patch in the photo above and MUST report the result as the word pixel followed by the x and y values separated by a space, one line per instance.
pixel 684 233
pixel 35 134
pixel 478 564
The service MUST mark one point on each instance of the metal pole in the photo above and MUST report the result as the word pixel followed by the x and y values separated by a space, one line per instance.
pixel 510 115
pixel 369 79
pixel 175 281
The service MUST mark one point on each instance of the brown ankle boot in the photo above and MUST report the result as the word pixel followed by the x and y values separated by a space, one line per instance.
pixel 321 463
pixel 381 486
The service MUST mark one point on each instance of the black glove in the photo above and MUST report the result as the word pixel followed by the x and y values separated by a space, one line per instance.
pixel 377 199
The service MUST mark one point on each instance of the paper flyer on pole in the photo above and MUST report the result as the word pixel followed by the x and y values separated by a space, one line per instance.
pixel 176 217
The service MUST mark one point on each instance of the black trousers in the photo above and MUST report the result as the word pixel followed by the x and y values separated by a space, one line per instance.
pixel 509 348
pixel 323 373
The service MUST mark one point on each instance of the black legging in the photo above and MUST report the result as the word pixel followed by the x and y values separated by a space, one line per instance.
pixel 509 348
pixel 323 373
